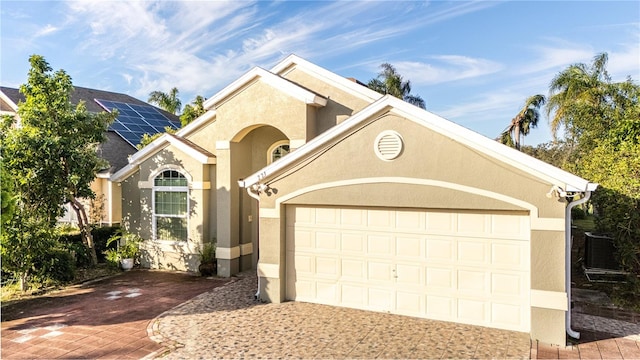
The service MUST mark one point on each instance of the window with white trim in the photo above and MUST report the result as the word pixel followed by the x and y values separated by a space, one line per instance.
pixel 278 151
pixel 170 204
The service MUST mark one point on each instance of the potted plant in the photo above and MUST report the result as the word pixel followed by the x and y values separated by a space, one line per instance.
pixel 208 263
pixel 128 246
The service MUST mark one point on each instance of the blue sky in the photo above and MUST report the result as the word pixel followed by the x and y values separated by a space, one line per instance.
pixel 474 63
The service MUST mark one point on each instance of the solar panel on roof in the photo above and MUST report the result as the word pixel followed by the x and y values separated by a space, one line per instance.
pixel 135 120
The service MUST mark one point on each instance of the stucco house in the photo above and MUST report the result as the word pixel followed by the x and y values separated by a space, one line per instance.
pixel 339 195
pixel 120 144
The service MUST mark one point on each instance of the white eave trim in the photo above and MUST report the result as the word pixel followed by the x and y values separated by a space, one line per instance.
pixel 157 145
pixel 327 76
pixel 9 102
pixel 197 123
pixel 540 169
pixel 273 80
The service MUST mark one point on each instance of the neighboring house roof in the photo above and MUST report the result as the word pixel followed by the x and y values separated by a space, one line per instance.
pixel 524 162
pixel 198 153
pixel 116 149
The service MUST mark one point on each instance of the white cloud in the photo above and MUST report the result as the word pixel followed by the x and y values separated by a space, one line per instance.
pixel 47 30
pixel 446 68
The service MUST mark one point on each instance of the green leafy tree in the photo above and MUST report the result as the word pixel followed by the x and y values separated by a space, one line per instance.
pixel 148 139
pixel 167 101
pixel 523 122
pixel 389 81
pixel 601 123
pixel 578 96
pixel 192 111
pixel 52 157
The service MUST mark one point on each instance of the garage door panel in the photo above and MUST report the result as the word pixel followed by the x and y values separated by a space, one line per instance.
pixel 409 303
pixel 380 245
pixel 475 283
pixel 379 272
pixel 382 219
pixel 410 248
pixel 440 278
pixel 409 274
pixel 440 307
pixel 453 266
pixel 353 243
pixel 412 221
pixel 354 269
pixel 327 267
pixel 440 250
pixel 379 299
pixel 353 217
pixel 326 241
pixel 473 252
pixel 510 255
pixel 472 311
pixel 440 223
pixel 328 216
pixel 506 284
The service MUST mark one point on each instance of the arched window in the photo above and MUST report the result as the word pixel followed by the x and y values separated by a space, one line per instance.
pixel 170 206
pixel 278 150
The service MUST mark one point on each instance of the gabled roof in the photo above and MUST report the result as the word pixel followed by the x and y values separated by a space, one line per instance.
pixel 352 87
pixel 278 82
pixel 494 149
pixel 198 153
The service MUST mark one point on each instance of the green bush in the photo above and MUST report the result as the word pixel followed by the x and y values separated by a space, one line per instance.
pixel 56 264
pixel 577 213
pixel 101 235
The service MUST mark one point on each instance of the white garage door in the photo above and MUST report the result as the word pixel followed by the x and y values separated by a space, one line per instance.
pixel 466 267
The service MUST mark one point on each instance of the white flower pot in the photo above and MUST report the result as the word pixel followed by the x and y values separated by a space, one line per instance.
pixel 127 264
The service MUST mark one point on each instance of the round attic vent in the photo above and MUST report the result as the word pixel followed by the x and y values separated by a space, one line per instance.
pixel 388 145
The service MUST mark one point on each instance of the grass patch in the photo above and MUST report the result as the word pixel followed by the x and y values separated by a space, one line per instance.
pixel 588 224
pixel 11 290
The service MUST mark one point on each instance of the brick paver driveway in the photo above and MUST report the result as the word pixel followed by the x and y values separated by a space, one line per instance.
pixel 105 319
pixel 227 323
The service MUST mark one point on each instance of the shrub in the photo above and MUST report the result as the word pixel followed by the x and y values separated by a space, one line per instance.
pixel 56 264
pixel 577 213
pixel 101 235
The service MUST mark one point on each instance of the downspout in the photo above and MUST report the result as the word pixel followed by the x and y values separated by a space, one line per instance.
pixel 567 253
pixel 257 197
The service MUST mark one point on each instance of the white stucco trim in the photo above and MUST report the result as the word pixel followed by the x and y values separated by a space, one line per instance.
pixel 268 270
pixel 271 79
pixel 293 61
pixel 200 185
pixel 550 224
pixel 226 253
pixel 9 102
pixel 549 299
pixel 246 249
pixel 296 143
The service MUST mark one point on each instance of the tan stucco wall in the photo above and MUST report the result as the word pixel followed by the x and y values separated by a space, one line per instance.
pixel 429 156
pixel 426 155
pixel 340 104
pixel 163 254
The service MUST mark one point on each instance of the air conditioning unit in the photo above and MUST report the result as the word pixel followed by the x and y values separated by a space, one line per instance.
pixel 599 252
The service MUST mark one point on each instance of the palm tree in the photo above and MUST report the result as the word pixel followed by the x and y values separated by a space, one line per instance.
pixel 523 122
pixel 579 92
pixel 192 111
pixel 168 102
pixel 390 82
